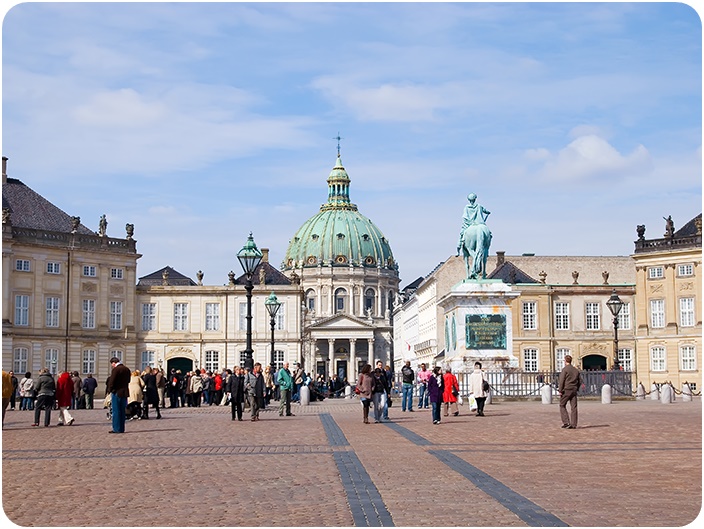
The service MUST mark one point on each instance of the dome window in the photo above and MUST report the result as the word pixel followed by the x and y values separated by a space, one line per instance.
pixel 340 235
pixel 290 262
pixel 340 259
pixel 312 260
pixel 365 237
pixel 314 236
pixel 369 260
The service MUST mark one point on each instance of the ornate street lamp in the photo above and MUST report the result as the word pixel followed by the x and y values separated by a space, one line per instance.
pixel 272 305
pixel 615 304
pixel 249 257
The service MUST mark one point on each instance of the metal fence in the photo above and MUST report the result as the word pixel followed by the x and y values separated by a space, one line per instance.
pixel 520 384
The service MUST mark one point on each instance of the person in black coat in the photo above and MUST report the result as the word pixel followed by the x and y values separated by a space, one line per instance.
pixel 235 387
pixel 151 394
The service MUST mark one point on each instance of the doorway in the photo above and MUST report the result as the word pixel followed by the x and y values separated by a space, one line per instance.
pixel 342 369
pixel 594 363
pixel 179 363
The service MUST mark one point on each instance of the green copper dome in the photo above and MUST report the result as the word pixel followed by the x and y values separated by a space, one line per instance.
pixel 339 235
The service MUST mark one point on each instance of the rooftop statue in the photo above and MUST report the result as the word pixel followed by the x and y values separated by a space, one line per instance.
pixel 475 238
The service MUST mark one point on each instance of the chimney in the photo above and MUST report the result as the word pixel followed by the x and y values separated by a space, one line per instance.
pixel 4 169
pixel 265 255
pixel 500 258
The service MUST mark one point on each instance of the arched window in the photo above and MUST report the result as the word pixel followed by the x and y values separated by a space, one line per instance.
pixel 340 300
pixel 369 297
pixel 310 300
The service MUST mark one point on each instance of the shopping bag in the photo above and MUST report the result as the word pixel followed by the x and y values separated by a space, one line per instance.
pixel 472 403
pixel 460 400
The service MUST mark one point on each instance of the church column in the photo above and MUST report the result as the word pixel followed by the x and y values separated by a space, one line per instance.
pixel 379 306
pixel 352 369
pixel 370 356
pixel 331 357
pixel 361 301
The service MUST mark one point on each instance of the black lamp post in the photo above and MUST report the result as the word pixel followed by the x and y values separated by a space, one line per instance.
pixel 249 257
pixel 272 305
pixel 615 304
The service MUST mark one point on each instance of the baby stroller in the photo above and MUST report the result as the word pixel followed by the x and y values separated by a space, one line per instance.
pixel 132 412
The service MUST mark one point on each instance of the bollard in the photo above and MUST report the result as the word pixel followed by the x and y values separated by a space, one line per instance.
pixel 654 392
pixel 606 394
pixel 640 392
pixel 686 393
pixel 304 395
pixel 546 394
pixel 348 392
pixel 666 394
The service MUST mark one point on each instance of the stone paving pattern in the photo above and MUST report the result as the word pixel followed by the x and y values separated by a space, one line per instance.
pixel 630 463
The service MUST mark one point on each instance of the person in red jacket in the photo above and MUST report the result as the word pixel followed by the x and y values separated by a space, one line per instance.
pixel 217 389
pixel 64 393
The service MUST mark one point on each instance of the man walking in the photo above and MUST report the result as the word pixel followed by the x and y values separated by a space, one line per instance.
pixel 569 383
pixel 118 389
pixel 254 388
pixel 408 377
pixel 285 382
pixel 89 386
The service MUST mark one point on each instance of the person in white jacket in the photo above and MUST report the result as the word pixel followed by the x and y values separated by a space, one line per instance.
pixel 476 388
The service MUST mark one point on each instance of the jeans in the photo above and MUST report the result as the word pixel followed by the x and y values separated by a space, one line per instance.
pixel 423 396
pixel 380 406
pixel 27 403
pixel 407 397
pixel 435 410
pixel 119 406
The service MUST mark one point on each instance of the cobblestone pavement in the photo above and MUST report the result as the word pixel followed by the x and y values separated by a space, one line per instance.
pixel 630 463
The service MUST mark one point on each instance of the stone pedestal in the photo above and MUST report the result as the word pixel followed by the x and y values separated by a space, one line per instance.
pixel 479 325
pixel 606 394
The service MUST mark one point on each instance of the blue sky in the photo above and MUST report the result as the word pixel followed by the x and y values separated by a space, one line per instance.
pixel 199 123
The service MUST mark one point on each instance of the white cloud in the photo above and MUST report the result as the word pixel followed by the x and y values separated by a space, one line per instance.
pixel 123 108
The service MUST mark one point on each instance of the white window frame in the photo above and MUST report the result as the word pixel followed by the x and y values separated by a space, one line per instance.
pixel 592 313
pixel 117 354
pixel 686 269
pixel 117 273
pixel 88 361
pixel 148 316
pixel 340 300
pixel 212 361
pixel 148 359
pixel 115 315
pixel 562 316
pixel 52 267
pixel 310 300
pixel 625 359
pixel 20 359
pixel 657 313
pixel 530 315
pixel 23 265
pixel 90 271
pixel 21 310
pixel 687 312
pixel 281 317
pixel 688 357
pixel 88 314
pixel 180 316
pixel 369 300
pixel 530 359
pixel 278 359
pixel 658 359
pixel 560 354
pixel 243 315
pixel 51 360
pixel 624 317
pixel 212 316
pixel 53 311
pixel 656 272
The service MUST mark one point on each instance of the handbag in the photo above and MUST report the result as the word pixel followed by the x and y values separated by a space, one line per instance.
pixel 472 403
pixel 357 390
pixel 486 386
pixel 460 400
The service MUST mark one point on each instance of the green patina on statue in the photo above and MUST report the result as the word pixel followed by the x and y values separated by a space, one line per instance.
pixel 475 238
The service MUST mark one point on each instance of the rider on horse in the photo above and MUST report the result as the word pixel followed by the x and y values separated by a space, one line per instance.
pixel 473 214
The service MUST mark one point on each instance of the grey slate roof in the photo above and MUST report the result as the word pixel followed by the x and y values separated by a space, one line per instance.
pixel 175 278
pixel 28 209
pixel 510 273
pixel 689 229
pixel 272 276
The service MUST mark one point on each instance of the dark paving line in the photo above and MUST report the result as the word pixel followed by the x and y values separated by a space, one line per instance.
pixel 366 505
pixel 526 510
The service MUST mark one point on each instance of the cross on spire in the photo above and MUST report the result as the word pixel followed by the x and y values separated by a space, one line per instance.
pixel 338 138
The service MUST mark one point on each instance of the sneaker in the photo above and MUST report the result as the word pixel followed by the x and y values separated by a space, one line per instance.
pixel 70 422
pixel 565 426
pixel 435 422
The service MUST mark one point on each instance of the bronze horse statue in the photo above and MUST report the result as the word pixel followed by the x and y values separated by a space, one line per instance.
pixel 475 244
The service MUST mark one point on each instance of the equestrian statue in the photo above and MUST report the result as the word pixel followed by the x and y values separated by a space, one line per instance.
pixel 475 238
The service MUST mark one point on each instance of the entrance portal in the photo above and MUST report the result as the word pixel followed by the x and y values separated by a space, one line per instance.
pixel 342 369
pixel 182 363
pixel 594 363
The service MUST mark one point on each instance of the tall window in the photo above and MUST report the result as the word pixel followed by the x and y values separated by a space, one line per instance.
pixel 278 359
pixel 212 316
pixel 52 312
pixel 281 317
pixel 310 300
pixel 180 316
pixel 89 271
pixel 117 354
pixel 117 273
pixel 657 313
pixel 53 268
pixel 624 317
pixel 560 354
pixel 212 361
pixel 687 312
pixel 22 310
pixel 19 364
pixel 562 316
pixel 88 361
pixel 147 359
pixel 243 315
pixel 530 321
pixel 657 358
pixel 88 321
pixel 340 300
pixel 593 317
pixel 685 270
pixel 688 358
pixel 625 358
pixel 116 315
pixel 22 265
pixel 656 272
pixel 51 360
pixel 530 359
pixel 148 316
pixel 369 301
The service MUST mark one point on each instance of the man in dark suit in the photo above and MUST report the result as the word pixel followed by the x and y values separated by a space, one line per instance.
pixel 569 383
pixel 118 388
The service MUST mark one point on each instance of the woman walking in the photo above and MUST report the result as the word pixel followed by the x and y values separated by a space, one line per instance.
pixel 476 388
pixel 64 396
pixel 436 387
pixel 450 392
pixel 364 390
